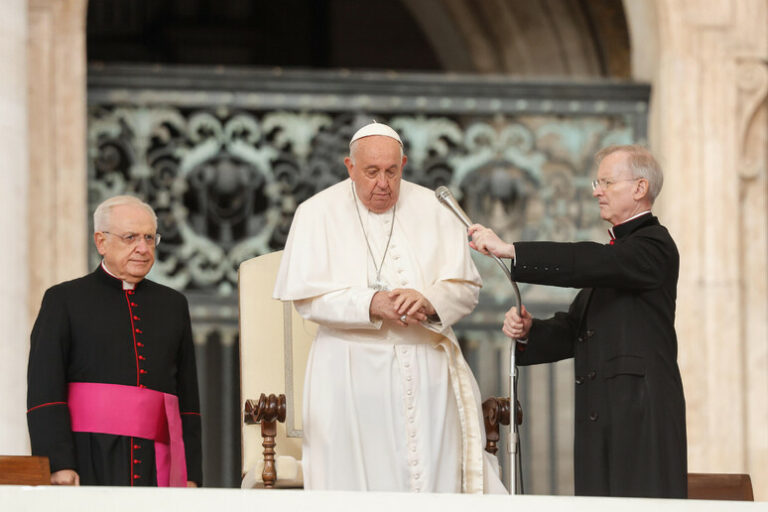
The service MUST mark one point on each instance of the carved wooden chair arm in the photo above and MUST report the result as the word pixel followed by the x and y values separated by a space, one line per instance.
pixel 496 411
pixel 267 410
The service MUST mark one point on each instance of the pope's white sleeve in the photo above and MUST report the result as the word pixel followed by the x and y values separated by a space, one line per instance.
pixel 452 300
pixel 343 309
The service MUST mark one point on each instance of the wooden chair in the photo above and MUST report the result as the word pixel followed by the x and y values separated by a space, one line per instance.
pixel 274 347
pixel 24 470
pixel 719 486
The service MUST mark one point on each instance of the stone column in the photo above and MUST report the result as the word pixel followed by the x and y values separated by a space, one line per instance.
pixel 58 234
pixel 709 126
pixel 13 210
pixel 43 181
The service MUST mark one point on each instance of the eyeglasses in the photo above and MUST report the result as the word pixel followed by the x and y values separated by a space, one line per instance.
pixel 604 184
pixel 134 238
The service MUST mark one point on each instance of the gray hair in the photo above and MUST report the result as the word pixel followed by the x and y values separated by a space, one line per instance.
pixel 641 164
pixel 102 215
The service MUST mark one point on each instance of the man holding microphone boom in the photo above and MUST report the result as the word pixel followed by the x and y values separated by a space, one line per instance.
pixel 630 437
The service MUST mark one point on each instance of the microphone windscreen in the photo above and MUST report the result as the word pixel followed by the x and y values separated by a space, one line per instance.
pixel 444 196
pixel 442 193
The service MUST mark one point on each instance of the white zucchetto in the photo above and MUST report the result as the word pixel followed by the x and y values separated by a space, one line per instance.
pixel 375 129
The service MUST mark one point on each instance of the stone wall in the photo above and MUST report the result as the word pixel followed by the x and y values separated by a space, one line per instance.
pixel 707 61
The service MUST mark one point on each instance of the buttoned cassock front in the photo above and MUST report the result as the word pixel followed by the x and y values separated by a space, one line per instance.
pixel 385 407
pixel 630 437
pixel 92 330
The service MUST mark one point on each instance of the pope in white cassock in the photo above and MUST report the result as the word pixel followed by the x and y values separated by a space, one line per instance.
pixel 389 402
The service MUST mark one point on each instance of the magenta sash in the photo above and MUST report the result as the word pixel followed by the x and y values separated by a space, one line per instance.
pixel 136 412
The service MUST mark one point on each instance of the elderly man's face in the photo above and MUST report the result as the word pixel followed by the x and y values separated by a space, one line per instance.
pixel 128 260
pixel 376 167
pixel 618 193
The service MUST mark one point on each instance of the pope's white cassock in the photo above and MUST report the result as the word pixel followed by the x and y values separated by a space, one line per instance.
pixel 386 408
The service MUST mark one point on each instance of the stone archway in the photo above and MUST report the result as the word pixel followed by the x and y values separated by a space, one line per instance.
pixel 562 39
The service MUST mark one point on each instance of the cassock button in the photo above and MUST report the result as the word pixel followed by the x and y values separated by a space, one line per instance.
pixel 142 358
pixel 138 331
pixel 142 371
pixel 135 317
pixel 592 375
pixel 579 380
pixel 590 333
pixel 136 461
pixel 136 477
pixel 140 344
pixel 133 304
pixel 136 447
pixel 593 416
pixel 580 339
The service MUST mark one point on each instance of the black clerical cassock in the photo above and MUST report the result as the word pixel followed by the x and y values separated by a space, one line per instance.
pixel 91 330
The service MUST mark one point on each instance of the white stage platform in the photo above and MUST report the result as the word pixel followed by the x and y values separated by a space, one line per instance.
pixel 122 499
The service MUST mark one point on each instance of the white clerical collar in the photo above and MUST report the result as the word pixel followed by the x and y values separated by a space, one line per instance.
pixel 126 284
pixel 610 230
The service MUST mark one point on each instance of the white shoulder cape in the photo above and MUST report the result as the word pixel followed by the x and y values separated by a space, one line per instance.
pixel 326 249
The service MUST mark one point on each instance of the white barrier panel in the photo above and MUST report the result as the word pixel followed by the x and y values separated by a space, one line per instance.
pixel 123 499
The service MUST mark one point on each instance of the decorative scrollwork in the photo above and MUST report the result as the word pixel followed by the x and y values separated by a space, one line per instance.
pixel 752 81
pixel 225 182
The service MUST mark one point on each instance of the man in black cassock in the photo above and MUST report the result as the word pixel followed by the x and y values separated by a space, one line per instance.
pixel 630 437
pixel 114 330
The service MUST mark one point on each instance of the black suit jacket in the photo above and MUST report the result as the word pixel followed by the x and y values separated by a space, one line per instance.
pixel 630 437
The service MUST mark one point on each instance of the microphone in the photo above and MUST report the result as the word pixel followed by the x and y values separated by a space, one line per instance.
pixel 444 196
